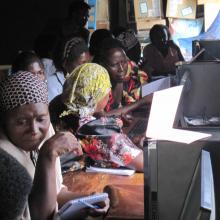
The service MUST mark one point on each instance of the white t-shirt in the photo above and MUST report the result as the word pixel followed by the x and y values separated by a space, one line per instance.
pixel 55 79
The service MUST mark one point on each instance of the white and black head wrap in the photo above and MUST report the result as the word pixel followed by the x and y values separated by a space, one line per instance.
pixel 22 88
pixel 128 39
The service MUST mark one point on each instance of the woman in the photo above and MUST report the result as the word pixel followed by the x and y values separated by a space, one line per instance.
pixel 28 61
pixel 72 53
pixel 25 133
pixel 126 79
pixel 162 53
pixel 86 92
pixel 68 55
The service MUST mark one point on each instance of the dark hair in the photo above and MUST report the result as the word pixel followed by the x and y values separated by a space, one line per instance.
pixel 69 122
pixel 69 50
pixel 106 45
pixel 96 39
pixel 23 60
pixel 15 187
pixel 134 53
pixel 44 45
pixel 156 29
pixel 76 6
pixel 118 30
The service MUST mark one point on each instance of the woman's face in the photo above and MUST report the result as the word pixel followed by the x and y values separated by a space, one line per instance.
pixel 117 64
pixel 37 69
pixel 161 38
pixel 26 126
pixel 81 17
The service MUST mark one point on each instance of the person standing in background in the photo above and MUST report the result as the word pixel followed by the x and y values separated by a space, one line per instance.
pixel 77 18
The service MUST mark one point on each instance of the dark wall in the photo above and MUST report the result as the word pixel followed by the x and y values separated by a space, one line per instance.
pixel 21 21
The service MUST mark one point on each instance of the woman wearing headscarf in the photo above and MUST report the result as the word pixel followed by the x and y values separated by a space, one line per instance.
pixel 86 92
pixel 26 134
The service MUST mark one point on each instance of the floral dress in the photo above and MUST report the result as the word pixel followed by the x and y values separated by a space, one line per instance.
pixel 131 87
pixel 105 144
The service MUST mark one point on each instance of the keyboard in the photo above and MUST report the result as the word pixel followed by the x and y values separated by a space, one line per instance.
pixel 138 128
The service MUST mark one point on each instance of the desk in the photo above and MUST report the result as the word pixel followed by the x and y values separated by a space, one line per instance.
pixel 80 181
pixel 129 208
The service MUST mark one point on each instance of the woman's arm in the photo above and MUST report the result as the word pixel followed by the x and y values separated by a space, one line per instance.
pixel 43 197
pixel 131 107
pixel 65 195
pixel 42 200
pixel 137 163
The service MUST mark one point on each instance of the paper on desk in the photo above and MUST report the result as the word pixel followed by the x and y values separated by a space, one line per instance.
pixel 157 85
pixel 124 172
pixel 162 116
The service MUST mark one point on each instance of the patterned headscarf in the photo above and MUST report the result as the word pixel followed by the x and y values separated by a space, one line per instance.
pixel 84 88
pixel 127 39
pixel 22 88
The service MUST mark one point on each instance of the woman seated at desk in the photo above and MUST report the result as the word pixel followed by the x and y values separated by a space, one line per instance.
pixel 126 79
pixel 161 54
pixel 86 92
pixel 26 134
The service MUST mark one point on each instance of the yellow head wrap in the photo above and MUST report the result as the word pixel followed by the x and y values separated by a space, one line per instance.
pixel 84 88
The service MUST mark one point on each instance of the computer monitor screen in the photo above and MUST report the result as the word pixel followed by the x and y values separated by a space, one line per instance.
pixel 201 90
pixel 212 49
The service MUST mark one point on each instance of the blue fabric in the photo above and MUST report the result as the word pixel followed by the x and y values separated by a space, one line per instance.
pixel 212 33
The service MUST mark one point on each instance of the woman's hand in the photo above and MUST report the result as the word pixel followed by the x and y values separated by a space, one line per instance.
pixel 127 119
pixel 60 143
pixel 138 140
pixel 104 206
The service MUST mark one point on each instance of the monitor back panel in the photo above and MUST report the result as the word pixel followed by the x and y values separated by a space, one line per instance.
pixel 201 89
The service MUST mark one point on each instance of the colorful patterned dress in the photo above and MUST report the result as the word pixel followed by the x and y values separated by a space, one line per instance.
pixel 131 87
pixel 105 144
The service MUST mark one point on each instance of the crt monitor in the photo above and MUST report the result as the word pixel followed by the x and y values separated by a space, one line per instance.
pixel 201 90
pixel 212 50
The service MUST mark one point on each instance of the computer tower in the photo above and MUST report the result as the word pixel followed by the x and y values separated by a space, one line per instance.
pixel 173 180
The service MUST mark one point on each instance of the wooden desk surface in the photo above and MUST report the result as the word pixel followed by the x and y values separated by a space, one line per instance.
pixel 80 181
